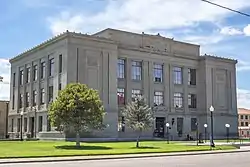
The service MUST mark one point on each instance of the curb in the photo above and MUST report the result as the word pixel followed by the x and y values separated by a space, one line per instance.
pixel 86 158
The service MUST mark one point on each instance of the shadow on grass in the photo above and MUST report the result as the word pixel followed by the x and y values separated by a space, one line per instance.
pixel 145 147
pixel 72 147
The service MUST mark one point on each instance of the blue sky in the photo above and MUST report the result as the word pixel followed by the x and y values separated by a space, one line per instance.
pixel 218 31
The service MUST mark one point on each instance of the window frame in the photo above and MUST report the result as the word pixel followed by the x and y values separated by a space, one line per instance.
pixel 136 70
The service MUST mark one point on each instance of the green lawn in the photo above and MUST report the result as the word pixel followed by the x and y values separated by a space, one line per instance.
pixel 13 149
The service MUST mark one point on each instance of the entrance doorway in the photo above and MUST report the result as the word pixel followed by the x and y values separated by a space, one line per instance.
pixel 32 127
pixel 159 127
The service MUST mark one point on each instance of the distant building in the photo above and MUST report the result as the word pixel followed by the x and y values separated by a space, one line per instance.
pixel 178 83
pixel 244 122
pixel 4 108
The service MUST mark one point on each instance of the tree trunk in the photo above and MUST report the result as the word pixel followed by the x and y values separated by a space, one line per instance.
pixel 137 141
pixel 78 139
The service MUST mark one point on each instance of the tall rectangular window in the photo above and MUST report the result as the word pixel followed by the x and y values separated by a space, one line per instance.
pixel 180 126
pixel 25 122
pixel 13 101
pixel 14 79
pixel 241 117
pixel 27 74
pixel 34 97
pixel 121 68
pixel 50 94
pixel 60 86
pixel 158 72
pixel 21 77
pixel 136 70
pixel 48 124
pixel 60 64
pixel 192 101
pixel 191 76
pixel 40 123
pixel 193 124
pixel 121 96
pixel 18 124
pixel 21 101
pixel 42 97
pixel 246 116
pixel 35 72
pixel 136 93
pixel 158 98
pixel 51 66
pixel 42 70
pixel 178 100
pixel 27 99
pixel 177 75
pixel 12 125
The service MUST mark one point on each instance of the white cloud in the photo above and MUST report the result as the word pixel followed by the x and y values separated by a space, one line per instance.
pixel 203 39
pixel 243 98
pixel 230 31
pixel 141 15
pixel 243 65
pixel 246 30
pixel 5 73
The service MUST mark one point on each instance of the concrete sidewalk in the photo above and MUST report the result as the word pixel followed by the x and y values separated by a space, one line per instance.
pixel 103 157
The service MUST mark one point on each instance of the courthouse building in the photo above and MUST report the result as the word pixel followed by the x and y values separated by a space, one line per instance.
pixel 178 83
pixel 4 108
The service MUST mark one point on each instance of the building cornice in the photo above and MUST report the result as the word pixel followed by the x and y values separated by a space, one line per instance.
pixel 58 38
pixel 217 58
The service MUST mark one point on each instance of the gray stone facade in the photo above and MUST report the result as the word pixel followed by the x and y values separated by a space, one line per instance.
pixel 177 82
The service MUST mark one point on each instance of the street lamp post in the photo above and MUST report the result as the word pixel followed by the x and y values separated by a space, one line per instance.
pixel 167 125
pixel 197 134
pixel 205 131
pixel 227 128
pixel 212 127
pixel 21 126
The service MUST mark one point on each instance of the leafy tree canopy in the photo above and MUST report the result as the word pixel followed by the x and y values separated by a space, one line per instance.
pixel 77 106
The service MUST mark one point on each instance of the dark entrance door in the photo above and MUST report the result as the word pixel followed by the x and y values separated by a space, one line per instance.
pixel 159 126
pixel 32 126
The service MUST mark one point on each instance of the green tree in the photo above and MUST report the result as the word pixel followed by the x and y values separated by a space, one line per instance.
pixel 78 107
pixel 138 116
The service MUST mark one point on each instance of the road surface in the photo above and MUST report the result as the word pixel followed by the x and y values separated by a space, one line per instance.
pixel 209 160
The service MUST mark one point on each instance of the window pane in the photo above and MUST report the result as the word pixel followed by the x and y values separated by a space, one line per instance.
pixel 34 97
pixel 177 75
pixel 192 101
pixel 42 96
pixel 191 76
pixel 158 98
pixel 136 92
pixel 51 66
pixel 136 70
pixel 158 72
pixel 60 63
pixel 193 124
pixel 34 72
pixel 21 77
pixel 178 100
pixel 27 99
pixel 42 70
pixel 121 68
pixel 121 96
pixel 28 74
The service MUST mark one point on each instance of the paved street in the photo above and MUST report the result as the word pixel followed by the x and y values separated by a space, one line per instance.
pixel 222 160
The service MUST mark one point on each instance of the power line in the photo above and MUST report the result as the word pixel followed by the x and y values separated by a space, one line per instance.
pixel 236 11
